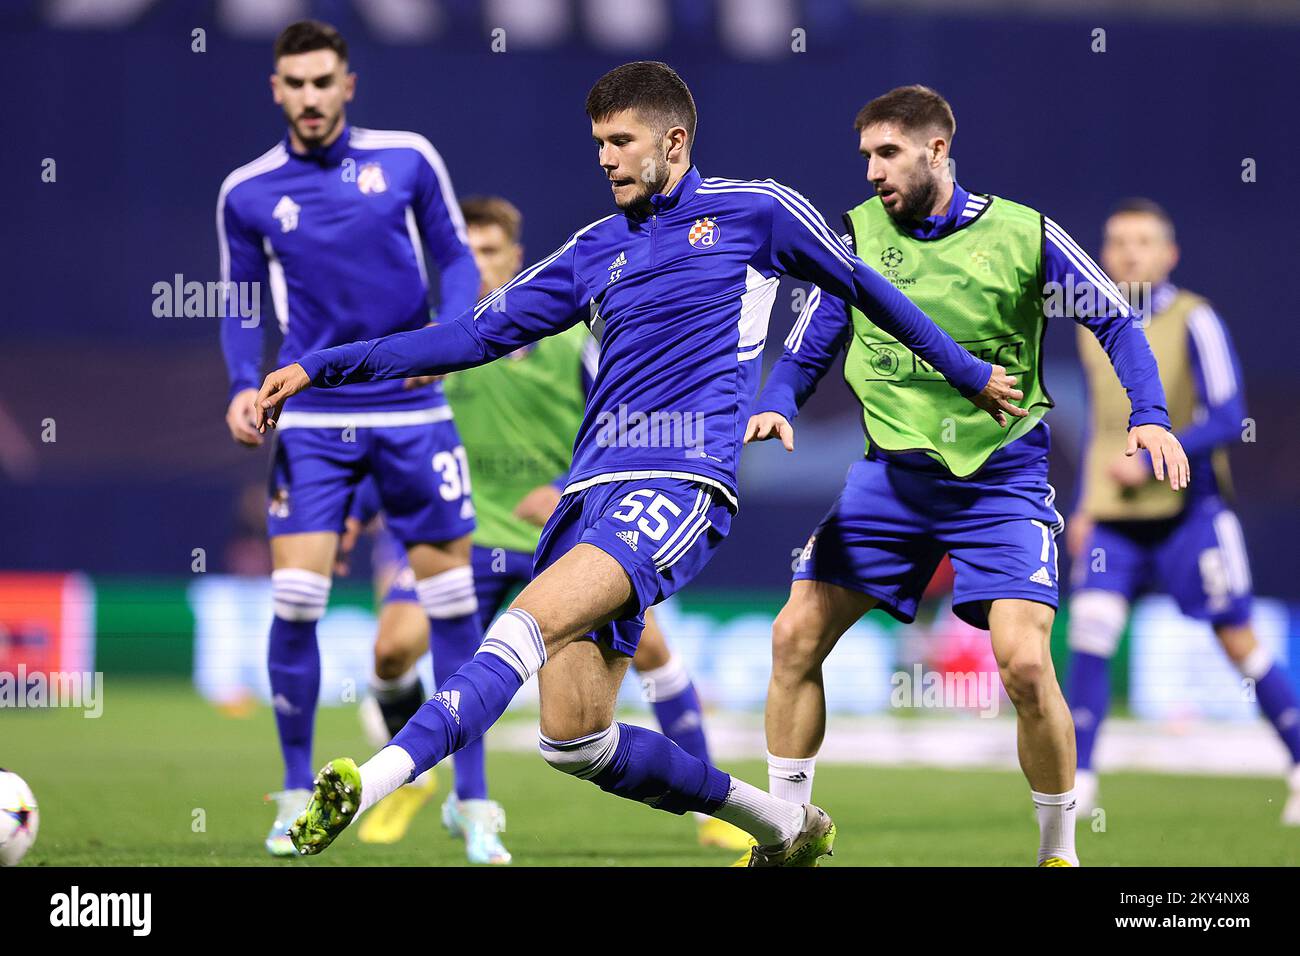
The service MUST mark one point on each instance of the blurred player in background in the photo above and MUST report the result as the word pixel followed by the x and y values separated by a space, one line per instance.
pixel 334 218
pixel 939 477
pixel 678 287
pixel 517 418
pixel 1131 534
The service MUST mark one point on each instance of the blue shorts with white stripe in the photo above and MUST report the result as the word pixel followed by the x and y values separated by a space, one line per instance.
pixel 1198 558
pixel 662 530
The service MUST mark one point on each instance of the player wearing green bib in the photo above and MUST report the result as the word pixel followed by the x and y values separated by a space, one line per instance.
pixel 517 419
pixel 936 478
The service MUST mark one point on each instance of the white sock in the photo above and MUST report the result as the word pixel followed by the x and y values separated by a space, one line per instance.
pixel 1055 812
pixel 790 778
pixel 665 683
pixel 449 594
pixel 770 820
pixel 382 774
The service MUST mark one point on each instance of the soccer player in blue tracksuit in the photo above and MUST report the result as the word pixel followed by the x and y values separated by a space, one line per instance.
pixel 678 287
pixel 334 219
pixel 1129 535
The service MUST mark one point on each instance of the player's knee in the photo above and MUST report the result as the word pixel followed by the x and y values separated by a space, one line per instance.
pixel 584 756
pixel 299 595
pixel 797 638
pixel 1025 673
pixel 1097 621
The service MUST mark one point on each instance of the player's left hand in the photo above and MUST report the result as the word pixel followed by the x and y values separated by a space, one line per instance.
pixel 536 506
pixel 1166 452
pixel 998 395
pixel 279 386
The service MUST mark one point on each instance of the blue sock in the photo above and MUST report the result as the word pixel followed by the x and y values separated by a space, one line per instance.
pixel 472 699
pixel 1089 697
pixel 466 705
pixel 453 642
pixel 293 659
pixel 641 765
pixel 1277 700
pixel 682 722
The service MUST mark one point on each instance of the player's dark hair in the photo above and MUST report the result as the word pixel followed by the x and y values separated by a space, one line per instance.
pixel 651 88
pixel 1140 205
pixel 493 211
pixel 308 35
pixel 914 108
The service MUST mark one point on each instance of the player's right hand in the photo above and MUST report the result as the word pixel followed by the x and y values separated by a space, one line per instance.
pixel 279 386
pixel 997 396
pixel 768 425
pixel 347 542
pixel 241 418
pixel 1077 531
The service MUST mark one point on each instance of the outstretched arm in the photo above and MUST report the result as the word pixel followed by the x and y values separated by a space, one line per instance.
pixel 804 246
pixel 544 299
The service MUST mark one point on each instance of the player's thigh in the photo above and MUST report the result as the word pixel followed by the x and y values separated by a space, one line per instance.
pixel 652 651
pixel 422 475
pixel 582 591
pixel 307 551
pixel 314 473
pixel 578 689
pixel 429 558
pixel 813 619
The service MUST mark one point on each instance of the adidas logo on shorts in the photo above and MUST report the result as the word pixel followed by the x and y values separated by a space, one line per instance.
pixel 1041 577
pixel 630 538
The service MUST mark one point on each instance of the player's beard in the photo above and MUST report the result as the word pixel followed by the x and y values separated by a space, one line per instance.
pixel 916 201
pixel 312 142
pixel 640 204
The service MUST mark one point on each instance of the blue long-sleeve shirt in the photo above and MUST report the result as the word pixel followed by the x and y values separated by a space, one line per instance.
pixel 337 233
pixel 824 329
pixel 680 301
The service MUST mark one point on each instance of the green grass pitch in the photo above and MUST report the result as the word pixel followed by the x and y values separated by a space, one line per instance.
pixel 162 779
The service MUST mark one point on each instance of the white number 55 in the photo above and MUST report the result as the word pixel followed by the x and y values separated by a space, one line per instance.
pixel 633 502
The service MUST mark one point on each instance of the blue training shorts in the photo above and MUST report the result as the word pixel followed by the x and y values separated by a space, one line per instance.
pixel 891 526
pixel 1198 558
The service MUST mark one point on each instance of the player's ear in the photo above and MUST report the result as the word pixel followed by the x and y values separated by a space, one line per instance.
pixel 349 87
pixel 677 144
pixel 275 89
pixel 938 149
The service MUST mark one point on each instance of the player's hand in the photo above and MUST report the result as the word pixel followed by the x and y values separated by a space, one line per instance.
pixel 1077 531
pixel 347 542
pixel 1166 452
pixel 1129 472
pixel 419 381
pixel 767 425
pixel 536 506
pixel 241 418
pixel 998 395
pixel 278 387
